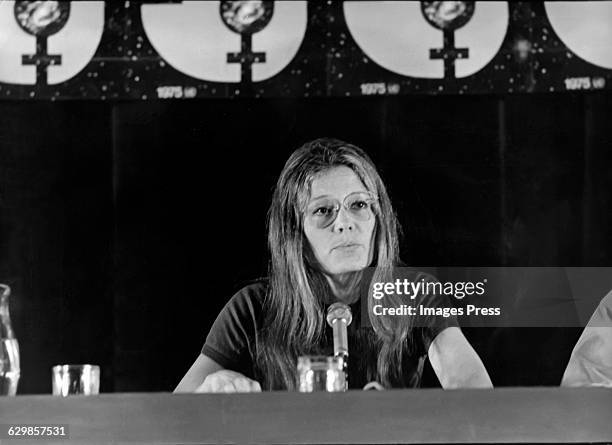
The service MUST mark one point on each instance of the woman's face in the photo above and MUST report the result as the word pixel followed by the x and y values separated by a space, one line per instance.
pixel 343 244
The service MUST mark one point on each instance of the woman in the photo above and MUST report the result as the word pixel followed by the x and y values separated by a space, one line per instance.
pixel 330 218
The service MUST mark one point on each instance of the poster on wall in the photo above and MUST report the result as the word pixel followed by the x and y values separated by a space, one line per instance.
pixel 198 49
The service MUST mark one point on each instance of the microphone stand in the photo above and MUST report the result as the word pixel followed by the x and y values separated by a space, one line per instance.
pixel 339 317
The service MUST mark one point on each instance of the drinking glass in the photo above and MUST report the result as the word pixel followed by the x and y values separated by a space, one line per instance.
pixel 75 379
pixel 321 373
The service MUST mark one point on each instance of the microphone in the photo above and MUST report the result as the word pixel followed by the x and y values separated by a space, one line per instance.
pixel 339 317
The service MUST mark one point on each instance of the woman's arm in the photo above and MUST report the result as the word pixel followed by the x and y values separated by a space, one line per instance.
pixel 455 362
pixel 206 375
pixel 201 368
pixel 230 341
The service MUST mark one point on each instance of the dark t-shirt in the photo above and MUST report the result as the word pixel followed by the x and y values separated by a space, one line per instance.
pixel 233 338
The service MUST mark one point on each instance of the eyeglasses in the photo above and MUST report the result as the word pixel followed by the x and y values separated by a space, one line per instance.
pixel 324 211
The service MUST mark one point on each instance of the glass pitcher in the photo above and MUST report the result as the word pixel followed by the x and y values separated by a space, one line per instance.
pixel 9 348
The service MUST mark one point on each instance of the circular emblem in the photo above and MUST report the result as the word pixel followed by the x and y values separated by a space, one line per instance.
pixel 41 18
pixel 447 15
pixel 246 17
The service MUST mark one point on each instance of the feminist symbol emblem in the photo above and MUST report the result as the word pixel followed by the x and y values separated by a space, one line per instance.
pixel 448 17
pixel 41 19
pixel 246 18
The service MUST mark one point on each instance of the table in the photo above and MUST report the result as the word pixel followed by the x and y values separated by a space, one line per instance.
pixel 503 415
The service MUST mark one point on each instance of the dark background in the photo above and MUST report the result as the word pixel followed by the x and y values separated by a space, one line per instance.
pixel 126 226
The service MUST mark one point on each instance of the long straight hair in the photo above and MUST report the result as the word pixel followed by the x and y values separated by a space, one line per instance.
pixel 294 320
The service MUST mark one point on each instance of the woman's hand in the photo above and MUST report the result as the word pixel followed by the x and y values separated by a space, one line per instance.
pixel 228 381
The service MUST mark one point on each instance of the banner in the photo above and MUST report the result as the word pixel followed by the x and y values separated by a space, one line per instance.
pixel 195 49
